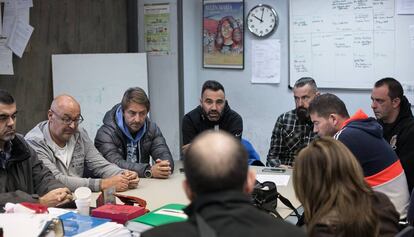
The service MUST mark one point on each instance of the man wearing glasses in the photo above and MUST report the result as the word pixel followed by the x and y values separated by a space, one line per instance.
pixel 294 129
pixel 69 153
pixel 23 178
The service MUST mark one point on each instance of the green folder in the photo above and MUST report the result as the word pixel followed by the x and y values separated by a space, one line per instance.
pixel 163 215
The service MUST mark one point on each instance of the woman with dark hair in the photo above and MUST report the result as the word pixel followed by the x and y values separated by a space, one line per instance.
pixel 229 35
pixel 329 182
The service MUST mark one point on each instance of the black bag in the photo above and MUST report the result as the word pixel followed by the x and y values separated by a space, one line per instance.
pixel 264 197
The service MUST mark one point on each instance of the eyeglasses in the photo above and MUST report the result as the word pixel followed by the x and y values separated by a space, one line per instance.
pixel 6 117
pixel 68 121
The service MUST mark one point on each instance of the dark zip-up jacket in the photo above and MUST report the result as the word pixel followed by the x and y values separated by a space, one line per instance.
pixel 25 177
pixel 229 214
pixel 400 135
pixel 111 142
pixel 195 122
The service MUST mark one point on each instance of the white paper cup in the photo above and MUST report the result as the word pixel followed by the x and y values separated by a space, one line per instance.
pixel 83 193
pixel 83 206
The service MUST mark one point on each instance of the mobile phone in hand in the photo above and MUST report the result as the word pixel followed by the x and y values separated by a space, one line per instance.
pixel 272 169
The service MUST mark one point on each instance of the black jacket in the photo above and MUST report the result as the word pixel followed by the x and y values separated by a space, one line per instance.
pixel 228 214
pixel 112 144
pixel 25 177
pixel 400 135
pixel 195 122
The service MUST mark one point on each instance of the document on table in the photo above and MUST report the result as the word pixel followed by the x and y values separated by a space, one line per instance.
pixel 278 179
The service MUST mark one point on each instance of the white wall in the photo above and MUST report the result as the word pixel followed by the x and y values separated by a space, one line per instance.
pixel 258 104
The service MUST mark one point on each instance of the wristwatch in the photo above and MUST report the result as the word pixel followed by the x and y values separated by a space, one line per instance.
pixel 148 173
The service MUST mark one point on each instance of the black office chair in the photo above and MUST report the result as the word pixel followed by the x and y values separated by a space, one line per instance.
pixel 406 232
pixel 410 212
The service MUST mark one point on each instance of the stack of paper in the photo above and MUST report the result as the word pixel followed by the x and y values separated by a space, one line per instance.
pixel 87 226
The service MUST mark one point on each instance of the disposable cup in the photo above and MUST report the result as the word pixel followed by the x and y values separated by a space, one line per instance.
pixel 83 193
pixel 83 206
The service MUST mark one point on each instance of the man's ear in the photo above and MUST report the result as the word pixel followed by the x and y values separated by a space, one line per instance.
pixel 201 101
pixel 250 181
pixel 190 195
pixel 396 102
pixel 49 114
pixel 333 118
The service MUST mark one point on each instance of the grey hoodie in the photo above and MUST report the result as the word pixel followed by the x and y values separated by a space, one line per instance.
pixel 85 156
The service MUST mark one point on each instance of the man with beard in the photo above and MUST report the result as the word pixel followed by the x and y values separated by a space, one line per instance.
pixel 69 153
pixel 293 130
pixel 128 137
pixel 23 178
pixel 363 137
pixel 212 113
pixel 393 111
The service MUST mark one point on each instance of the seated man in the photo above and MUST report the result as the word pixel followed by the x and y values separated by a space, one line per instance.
pixel 23 178
pixel 363 136
pixel 69 153
pixel 293 129
pixel 213 113
pixel 393 112
pixel 128 137
pixel 218 184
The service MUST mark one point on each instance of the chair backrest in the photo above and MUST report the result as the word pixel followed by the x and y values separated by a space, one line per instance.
pixel 410 213
pixel 406 232
pixel 254 157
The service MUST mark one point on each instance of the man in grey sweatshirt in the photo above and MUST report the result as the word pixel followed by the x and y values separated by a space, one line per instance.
pixel 66 149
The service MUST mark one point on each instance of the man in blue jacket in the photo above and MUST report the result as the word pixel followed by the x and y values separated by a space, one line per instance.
pixel 363 137
pixel 128 137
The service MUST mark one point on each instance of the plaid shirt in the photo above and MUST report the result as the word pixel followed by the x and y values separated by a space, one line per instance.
pixel 289 136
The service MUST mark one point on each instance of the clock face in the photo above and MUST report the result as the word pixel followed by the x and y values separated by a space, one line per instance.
pixel 262 20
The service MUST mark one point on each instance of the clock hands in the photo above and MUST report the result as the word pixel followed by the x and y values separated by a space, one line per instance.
pixel 261 18
pixel 257 17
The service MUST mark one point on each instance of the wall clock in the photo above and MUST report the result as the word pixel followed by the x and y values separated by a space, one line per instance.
pixel 262 20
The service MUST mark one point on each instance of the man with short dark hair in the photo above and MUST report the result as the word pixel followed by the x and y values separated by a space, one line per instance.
pixel 393 111
pixel 293 129
pixel 66 149
pixel 129 138
pixel 363 136
pixel 213 113
pixel 218 183
pixel 23 178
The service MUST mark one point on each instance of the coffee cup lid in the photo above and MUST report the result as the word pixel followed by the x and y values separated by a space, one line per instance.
pixel 83 193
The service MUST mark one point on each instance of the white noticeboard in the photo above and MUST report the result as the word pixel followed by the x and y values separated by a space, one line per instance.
pixel 349 44
pixel 98 81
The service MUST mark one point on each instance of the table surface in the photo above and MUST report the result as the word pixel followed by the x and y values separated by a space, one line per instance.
pixel 159 192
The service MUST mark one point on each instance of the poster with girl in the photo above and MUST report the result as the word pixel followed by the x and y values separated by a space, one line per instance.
pixel 223 35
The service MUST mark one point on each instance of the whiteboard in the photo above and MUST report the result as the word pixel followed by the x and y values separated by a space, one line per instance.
pixel 98 81
pixel 349 44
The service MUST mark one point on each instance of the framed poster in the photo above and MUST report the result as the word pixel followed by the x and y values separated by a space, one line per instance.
pixel 223 34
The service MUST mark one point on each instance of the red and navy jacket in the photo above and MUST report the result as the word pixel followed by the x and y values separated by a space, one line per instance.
pixel 380 164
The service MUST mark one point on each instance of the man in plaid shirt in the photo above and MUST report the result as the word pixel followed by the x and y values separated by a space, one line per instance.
pixel 294 129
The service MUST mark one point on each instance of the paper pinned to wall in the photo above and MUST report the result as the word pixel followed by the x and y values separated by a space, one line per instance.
pixel 24 4
pixel 411 35
pixel 6 59
pixel 266 61
pixel 19 37
pixel 278 179
pixel 404 7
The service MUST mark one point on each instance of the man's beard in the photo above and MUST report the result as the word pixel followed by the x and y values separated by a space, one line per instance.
pixel 216 117
pixel 302 114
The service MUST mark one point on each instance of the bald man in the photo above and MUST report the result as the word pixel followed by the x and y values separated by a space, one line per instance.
pixel 218 184
pixel 66 149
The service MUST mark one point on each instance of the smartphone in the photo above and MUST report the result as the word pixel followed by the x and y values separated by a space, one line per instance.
pixel 277 170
